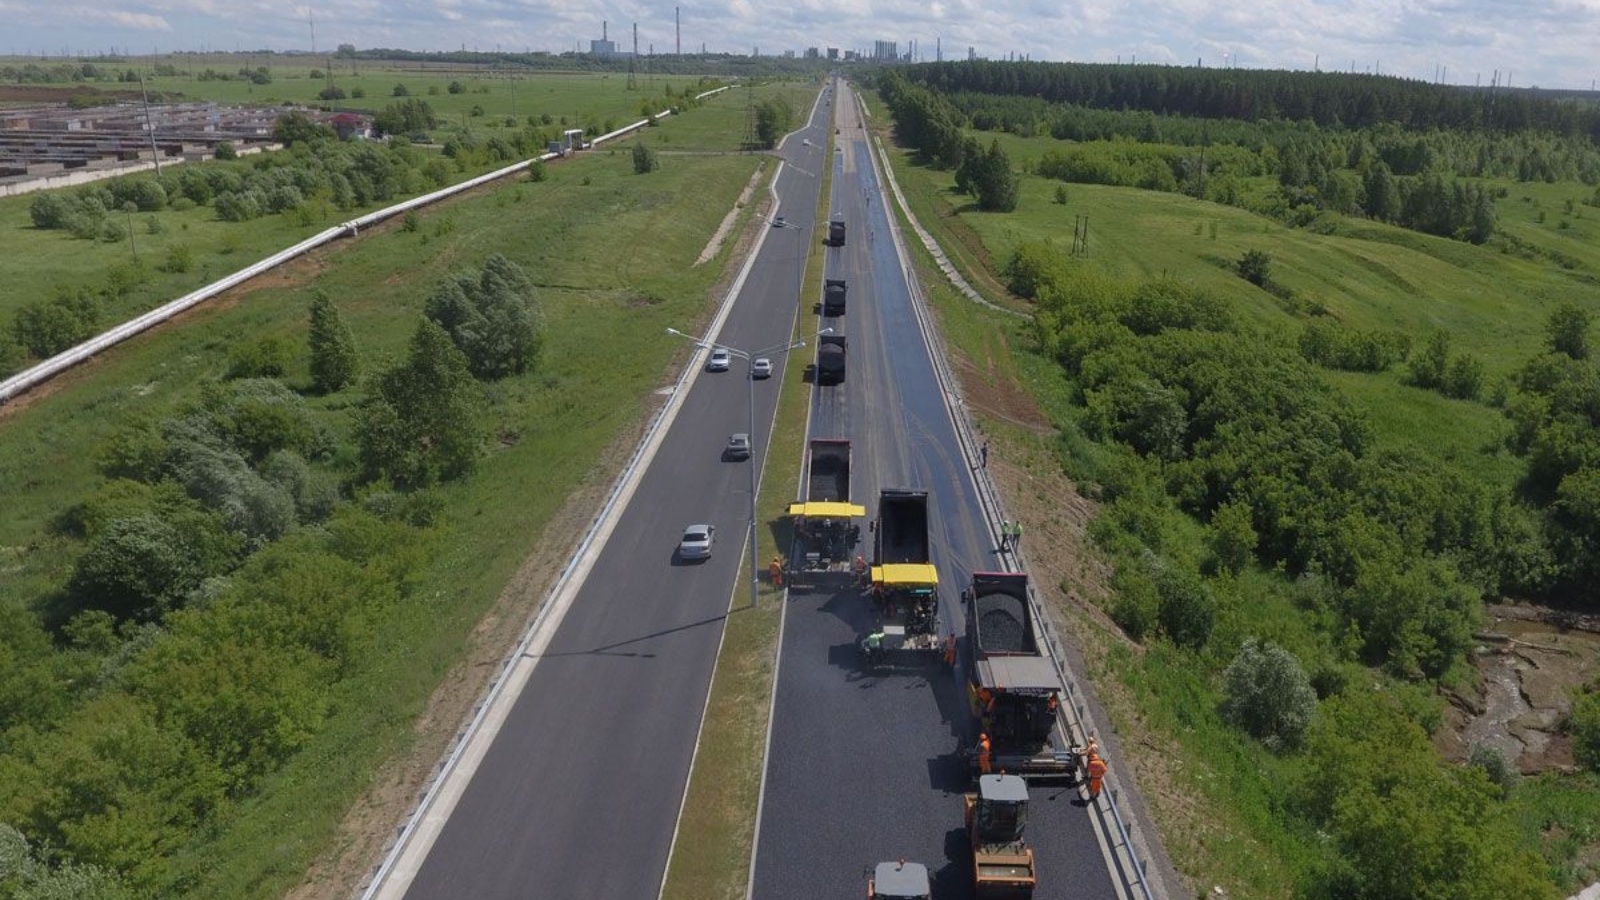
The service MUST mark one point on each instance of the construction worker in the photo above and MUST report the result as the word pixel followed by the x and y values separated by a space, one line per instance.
pixel 872 645
pixel 861 570
pixel 950 650
pixel 1005 534
pixel 775 571
pixel 985 755
pixel 1016 534
pixel 1096 769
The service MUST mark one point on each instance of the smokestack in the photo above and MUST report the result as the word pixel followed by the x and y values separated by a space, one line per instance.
pixel 677 32
pixel 603 24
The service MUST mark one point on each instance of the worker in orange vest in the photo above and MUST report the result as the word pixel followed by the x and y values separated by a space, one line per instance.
pixel 1097 769
pixel 950 650
pixel 861 570
pixel 985 758
pixel 775 572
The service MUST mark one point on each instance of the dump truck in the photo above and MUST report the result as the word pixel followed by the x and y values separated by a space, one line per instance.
pixel 833 291
pixel 905 583
pixel 1002 861
pixel 826 526
pixel 899 881
pixel 836 233
pixel 830 359
pixel 1013 688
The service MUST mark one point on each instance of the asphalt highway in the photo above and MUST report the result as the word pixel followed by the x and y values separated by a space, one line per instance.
pixel 862 766
pixel 579 794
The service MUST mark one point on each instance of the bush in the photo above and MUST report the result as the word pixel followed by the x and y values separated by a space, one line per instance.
pixel 46 329
pixel 179 259
pixel 265 358
pixel 1268 694
pixel 1583 724
pixel 644 159
pixel 137 566
pixel 225 151
pixel 50 210
pixel 1255 266
pixel 1187 611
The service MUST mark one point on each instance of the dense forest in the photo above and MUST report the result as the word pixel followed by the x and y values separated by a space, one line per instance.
pixel 1326 99
pixel 1231 470
pixel 1425 176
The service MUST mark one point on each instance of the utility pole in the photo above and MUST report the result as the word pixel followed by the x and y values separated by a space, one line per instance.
pixel 149 125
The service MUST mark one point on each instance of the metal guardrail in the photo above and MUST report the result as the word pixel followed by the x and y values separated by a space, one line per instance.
pixel 36 375
pixel 1129 865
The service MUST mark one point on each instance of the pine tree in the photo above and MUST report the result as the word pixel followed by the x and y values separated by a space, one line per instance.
pixel 334 362
pixel 996 184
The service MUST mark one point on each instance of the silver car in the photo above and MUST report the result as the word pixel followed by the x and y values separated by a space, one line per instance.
pixel 761 368
pixel 719 361
pixel 697 541
pixel 738 447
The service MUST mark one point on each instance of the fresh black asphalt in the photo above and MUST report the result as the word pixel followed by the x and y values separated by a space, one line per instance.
pixel 863 764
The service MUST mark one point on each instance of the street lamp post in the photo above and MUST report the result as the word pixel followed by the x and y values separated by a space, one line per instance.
pixel 749 357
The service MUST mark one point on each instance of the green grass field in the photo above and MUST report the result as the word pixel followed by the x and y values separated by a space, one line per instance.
pixel 612 254
pixel 38 262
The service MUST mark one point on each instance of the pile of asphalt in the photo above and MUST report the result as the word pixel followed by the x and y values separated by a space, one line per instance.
pixel 1002 623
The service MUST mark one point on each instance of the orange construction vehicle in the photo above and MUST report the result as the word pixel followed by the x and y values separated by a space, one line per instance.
pixel 1002 861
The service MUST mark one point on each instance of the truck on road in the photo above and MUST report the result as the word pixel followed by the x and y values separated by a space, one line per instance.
pixel 905 583
pixel 833 292
pixel 826 531
pixel 1013 688
pixel 836 233
pixel 830 359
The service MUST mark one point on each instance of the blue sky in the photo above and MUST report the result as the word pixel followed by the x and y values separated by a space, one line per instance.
pixel 1548 43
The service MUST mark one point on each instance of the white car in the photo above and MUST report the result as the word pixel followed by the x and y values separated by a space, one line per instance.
pixel 738 446
pixel 719 361
pixel 697 541
pixel 761 368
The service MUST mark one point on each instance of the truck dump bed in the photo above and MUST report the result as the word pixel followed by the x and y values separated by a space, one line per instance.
pixel 828 473
pixel 1001 622
pixel 830 359
pixel 833 297
pixel 902 527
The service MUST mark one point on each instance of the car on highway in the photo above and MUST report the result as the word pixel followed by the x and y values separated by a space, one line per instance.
pixel 780 222
pixel 720 360
pixel 697 541
pixel 761 368
pixel 738 447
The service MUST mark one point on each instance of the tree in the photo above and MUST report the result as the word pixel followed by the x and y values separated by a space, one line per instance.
pixel 493 318
pixel 421 420
pixel 297 128
pixel 1255 266
pixel 773 118
pixel 1268 694
pixel 1187 611
pixel 141 564
pixel 334 362
pixel 993 181
pixel 1583 724
pixel 1568 330
pixel 644 159
pixel 1232 537
pixel 1429 368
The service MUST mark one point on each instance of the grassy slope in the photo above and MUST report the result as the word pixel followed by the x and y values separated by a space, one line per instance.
pixel 1221 828
pixel 613 259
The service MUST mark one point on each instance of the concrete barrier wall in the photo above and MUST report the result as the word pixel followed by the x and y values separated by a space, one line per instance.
pixel 89 175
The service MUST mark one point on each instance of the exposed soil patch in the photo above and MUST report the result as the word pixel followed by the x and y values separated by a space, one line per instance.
pixel 1529 660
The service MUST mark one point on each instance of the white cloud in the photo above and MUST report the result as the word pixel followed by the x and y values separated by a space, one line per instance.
pixel 1549 42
